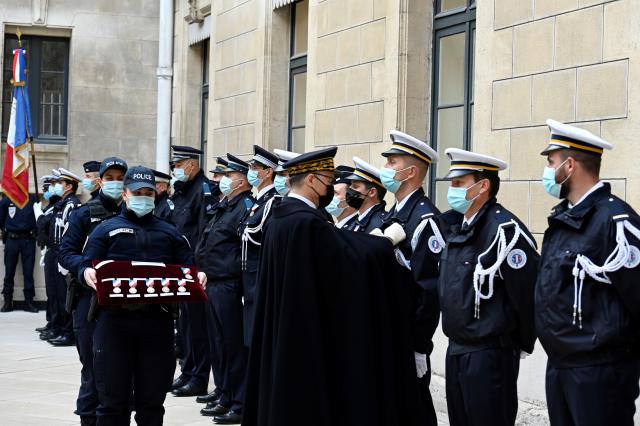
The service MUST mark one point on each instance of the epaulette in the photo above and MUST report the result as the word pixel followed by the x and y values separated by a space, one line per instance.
pixel 617 209
pixel 428 215
pixel 248 203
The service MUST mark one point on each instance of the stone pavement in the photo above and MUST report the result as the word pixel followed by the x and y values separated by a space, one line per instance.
pixel 39 383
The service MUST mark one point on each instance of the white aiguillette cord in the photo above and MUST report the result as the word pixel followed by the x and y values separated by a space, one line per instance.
pixel 503 250
pixel 246 234
pixel 616 260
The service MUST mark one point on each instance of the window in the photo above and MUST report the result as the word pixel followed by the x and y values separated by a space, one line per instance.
pixel 298 75
pixel 454 42
pixel 47 61
pixel 204 125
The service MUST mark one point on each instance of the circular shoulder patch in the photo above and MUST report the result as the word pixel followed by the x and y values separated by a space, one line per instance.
pixel 434 244
pixel 634 257
pixel 517 258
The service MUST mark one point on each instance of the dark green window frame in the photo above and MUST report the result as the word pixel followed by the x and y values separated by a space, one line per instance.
pixel 34 46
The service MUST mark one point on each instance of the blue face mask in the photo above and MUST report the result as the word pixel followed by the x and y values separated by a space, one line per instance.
pixel 253 178
pixel 88 184
pixel 280 182
pixel 51 191
pixel 457 198
pixel 388 179
pixel 47 195
pixel 334 208
pixel 549 181
pixel 141 205
pixel 113 189
pixel 226 185
pixel 58 189
pixel 180 175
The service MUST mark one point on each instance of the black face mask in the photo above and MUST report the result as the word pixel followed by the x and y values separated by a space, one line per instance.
pixel 354 198
pixel 325 200
pixel 214 187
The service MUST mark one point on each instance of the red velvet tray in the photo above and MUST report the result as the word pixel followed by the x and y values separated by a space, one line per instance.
pixel 122 282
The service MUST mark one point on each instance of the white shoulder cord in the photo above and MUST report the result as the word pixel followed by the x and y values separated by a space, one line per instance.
pixel 434 228
pixel 616 260
pixel 246 234
pixel 501 254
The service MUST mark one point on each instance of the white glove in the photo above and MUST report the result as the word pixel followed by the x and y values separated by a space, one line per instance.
pixel 421 364
pixel 376 233
pixel 524 354
pixel 62 270
pixel 202 278
pixel 42 253
pixel 395 233
pixel 90 277
pixel 37 209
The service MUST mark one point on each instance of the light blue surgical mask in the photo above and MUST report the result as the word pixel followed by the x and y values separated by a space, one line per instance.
pixel 58 189
pixel 280 182
pixel 457 198
pixel 51 191
pixel 388 179
pixel 141 205
pixel 226 185
pixel 88 184
pixel 549 181
pixel 253 178
pixel 179 174
pixel 47 195
pixel 334 208
pixel 113 189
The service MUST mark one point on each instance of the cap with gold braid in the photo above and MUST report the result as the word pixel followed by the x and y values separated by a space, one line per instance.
pixel 365 172
pixel 314 161
pixel 404 144
pixel 466 162
pixel 565 136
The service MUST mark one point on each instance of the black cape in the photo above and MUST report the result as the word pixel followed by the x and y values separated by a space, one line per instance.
pixel 331 343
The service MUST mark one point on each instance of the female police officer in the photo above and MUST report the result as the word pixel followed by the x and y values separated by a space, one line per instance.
pixel 133 345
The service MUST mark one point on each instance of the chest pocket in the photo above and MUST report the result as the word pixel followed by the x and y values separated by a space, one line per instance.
pixel 123 241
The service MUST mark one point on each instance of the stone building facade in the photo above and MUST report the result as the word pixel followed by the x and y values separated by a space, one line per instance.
pixel 92 68
pixel 482 74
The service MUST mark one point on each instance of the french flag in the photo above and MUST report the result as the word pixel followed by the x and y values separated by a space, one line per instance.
pixel 15 173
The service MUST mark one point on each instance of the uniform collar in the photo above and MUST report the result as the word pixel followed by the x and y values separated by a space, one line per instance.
pixel 264 191
pixel 401 204
pixel 303 199
pixel 403 213
pixel 575 217
pixel 346 220
pixel 185 186
pixel 364 214
pixel 594 188
pixel 236 199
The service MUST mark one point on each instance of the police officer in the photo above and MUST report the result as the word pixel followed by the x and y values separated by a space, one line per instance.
pixel 260 176
pixel 163 203
pixel 587 297
pixel 189 216
pixel 488 271
pixel 82 221
pixel 91 178
pixel 43 224
pixel 366 195
pixel 281 181
pixel 218 254
pixel 133 345
pixel 344 214
pixel 18 225
pixel 408 161
pixel 65 188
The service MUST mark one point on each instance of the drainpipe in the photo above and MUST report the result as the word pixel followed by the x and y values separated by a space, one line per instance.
pixel 164 73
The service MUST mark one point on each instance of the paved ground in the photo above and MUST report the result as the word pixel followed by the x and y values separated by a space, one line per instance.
pixel 39 383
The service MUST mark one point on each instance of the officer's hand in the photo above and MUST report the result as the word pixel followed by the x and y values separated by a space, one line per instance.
pixel 421 364
pixel 395 233
pixel 202 277
pixel 524 354
pixel 90 278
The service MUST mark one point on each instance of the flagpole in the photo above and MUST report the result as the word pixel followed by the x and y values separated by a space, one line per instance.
pixel 33 151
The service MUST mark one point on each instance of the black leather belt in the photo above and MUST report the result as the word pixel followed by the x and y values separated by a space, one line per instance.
pixel 20 235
